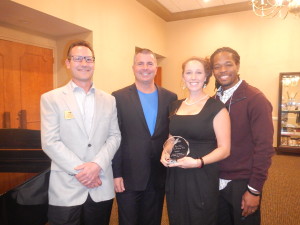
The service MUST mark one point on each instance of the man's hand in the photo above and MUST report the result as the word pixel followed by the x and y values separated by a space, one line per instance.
pixel 95 183
pixel 250 203
pixel 119 184
pixel 89 174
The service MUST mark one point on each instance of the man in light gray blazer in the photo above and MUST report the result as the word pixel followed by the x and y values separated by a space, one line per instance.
pixel 80 133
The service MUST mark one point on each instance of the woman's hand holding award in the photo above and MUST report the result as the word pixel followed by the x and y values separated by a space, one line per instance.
pixel 177 147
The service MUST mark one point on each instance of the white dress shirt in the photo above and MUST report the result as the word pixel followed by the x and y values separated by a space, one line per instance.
pixel 86 103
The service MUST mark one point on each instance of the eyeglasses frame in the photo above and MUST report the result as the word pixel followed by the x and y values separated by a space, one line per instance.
pixel 83 58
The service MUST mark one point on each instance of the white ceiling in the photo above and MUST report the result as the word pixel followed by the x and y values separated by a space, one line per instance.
pixel 175 6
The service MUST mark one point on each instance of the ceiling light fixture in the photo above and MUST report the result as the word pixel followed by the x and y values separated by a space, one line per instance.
pixel 272 8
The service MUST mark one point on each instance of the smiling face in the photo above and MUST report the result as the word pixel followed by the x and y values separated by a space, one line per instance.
pixel 81 71
pixel 194 75
pixel 225 69
pixel 144 68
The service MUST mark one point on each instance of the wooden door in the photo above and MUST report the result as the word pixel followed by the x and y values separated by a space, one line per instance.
pixel 157 79
pixel 26 72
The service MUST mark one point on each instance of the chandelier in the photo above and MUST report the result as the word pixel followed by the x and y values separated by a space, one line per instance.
pixel 272 8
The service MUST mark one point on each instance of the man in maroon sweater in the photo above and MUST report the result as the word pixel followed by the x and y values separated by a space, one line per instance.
pixel 243 173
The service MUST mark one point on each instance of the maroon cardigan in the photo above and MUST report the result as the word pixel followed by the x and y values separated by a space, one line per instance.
pixel 251 137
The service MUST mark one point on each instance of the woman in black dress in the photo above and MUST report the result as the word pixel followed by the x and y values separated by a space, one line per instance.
pixel 192 181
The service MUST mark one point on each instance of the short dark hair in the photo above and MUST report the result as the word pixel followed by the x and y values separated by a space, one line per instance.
pixel 235 55
pixel 204 62
pixel 79 43
pixel 144 51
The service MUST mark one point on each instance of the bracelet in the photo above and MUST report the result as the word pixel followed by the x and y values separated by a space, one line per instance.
pixel 252 193
pixel 202 162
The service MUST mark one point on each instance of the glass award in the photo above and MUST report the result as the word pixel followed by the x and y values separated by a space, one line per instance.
pixel 177 147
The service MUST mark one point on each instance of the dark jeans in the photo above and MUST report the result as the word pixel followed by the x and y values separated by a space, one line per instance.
pixel 229 210
pixel 140 207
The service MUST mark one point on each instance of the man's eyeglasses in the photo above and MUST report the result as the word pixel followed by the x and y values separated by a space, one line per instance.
pixel 79 58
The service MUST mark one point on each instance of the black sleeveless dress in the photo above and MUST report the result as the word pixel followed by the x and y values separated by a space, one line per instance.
pixel 192 194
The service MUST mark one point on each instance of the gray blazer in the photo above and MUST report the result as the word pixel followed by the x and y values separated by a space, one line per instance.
pixel 66 142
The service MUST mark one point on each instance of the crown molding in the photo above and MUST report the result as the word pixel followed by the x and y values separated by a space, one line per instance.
pixel 166 15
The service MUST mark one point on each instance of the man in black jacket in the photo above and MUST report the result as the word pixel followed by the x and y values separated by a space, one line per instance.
pixel 139 177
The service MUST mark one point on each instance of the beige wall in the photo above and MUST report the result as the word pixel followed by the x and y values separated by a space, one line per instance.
pixel 267 46
pixel 118 27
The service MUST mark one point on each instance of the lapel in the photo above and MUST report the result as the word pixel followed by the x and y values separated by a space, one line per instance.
pixel 99 107
pixel 69 98
pixel 137 105
pixel 160 108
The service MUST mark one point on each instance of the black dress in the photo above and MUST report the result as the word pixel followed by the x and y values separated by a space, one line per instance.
pixel 192 194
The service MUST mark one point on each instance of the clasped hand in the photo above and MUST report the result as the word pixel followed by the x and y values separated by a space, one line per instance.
pixel 89 174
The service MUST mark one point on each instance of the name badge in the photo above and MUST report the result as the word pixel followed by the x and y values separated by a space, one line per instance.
pixel 68 115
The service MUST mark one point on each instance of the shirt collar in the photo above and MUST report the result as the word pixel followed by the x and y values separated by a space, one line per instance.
pixel 229 91
pixel 75 87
